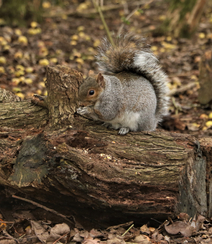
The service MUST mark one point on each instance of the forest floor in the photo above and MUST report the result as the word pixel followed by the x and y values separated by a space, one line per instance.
pixel 70 36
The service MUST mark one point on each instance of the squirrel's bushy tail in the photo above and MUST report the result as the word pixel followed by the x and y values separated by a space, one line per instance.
pixel 132 54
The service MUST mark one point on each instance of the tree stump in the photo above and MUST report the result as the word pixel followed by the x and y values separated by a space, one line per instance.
pixel 84 170
pixel 62 86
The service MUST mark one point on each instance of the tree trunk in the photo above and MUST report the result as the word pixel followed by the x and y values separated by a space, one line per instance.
pixel 80 168
pixel 205 78
pixel 184 16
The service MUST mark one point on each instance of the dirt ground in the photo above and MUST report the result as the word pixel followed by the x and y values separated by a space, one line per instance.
pixel 70 35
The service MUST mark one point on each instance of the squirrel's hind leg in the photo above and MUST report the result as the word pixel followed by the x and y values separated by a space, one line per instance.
pixel 123 131
pixel 107 125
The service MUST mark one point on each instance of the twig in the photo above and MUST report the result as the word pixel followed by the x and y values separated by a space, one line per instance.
pixel 127 18
pixel 120 225
pixel 182 89
pixel 7 222
pixel 130 15
pixel 125 6
pixel 101 3
pixel 164 223
pixel 60 238
pixel 44 207
pixel 127 230
pixel 159 222
pixel 9 236
pixel 103 21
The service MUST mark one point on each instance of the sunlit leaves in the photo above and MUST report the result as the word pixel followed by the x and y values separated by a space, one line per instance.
pixel 96 43
pixel 83 6
pixel 2 60
pixel 23 40
pixel 18 32
pixel 201 35
pixel 46 4
pixel 18 55
pixel 2 70
pixel 29 69
pixel 53 60
pixel 35 29
pixel 44 62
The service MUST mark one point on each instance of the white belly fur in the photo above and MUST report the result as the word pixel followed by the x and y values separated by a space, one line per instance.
pixel 127 119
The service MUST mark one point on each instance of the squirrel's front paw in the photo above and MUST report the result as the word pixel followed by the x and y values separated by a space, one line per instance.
pixel 88 112
pixel 82 110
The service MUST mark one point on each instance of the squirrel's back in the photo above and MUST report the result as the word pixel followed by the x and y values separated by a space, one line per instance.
pixel 131 54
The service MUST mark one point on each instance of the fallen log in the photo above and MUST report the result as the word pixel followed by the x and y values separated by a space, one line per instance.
pixel 81 169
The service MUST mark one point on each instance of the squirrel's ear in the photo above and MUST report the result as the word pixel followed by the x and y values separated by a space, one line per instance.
pixel 100 80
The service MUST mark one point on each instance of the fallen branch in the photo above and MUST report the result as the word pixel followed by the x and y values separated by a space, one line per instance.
pixel 182 89
pixel 45 208
pixel 90 171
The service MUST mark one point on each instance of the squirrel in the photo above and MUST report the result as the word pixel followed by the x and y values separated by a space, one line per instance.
pixel 131 95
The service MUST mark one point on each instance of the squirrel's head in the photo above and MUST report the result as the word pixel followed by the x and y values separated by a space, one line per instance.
pixel 91 89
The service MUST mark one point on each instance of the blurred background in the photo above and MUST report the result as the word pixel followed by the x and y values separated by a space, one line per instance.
pixel 34 34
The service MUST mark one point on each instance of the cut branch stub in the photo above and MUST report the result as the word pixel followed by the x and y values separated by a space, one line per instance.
pixel 62 86
pixel 15 113
pixel 8 97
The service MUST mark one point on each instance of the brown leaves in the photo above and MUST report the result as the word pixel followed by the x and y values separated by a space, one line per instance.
pixel 169 231
pixel 184 227
pixel 56 233
pixel 179 227
pixel 86 237
pixel 35 230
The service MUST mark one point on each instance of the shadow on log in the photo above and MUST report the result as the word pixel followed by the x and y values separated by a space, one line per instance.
pixel 90 173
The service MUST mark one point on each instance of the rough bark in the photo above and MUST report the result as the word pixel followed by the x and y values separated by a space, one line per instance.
pixel 87 171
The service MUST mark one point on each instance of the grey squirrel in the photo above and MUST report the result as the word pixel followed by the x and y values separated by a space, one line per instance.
pixel 131 95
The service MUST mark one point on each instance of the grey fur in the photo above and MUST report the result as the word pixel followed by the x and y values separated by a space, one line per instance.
pixel 137 59
pixel 135 93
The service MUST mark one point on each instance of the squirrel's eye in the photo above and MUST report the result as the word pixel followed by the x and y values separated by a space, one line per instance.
pixel 91 92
